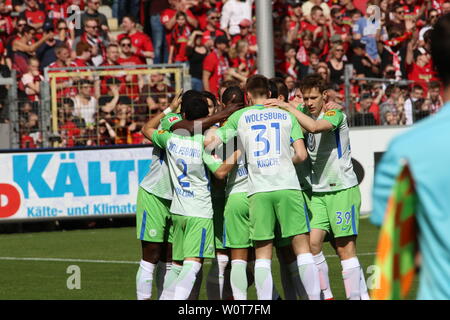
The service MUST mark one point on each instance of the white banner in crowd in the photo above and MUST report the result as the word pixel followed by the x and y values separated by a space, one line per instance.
pixel 104 182
pixel 75 183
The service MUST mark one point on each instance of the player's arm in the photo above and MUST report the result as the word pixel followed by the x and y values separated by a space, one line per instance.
pixel 214 138
pixel 297 142
pixel 217 167
pixel 150 127
pixel 207 122
pixel 310 125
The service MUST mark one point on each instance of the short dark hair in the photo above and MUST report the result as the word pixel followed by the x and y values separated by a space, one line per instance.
pixel 440 48
pixel 131 18
pixel 312 81
pixel 315 9
pixel 273 90
pixel 390 88
pixel 416 87
pixel 198 108
pixel 187 97
pixel 210 96
pixel 434 85
pixel 258 86
pixel 233 91
pixel 281 88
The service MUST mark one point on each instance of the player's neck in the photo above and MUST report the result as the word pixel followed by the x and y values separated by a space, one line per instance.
pixel 446 95
pixel 258 101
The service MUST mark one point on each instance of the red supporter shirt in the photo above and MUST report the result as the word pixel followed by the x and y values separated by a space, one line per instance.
pixel 248 61
pixel 141 42
pixel 180 38
pixel 120 77
pixel 168 14
pixel 217 66
pixel 70 91
pixel 250 38
pixel 132 87
pixel 34 16
pixel 421 75
pixel 71 131
pixel 211 35
pixel 374 108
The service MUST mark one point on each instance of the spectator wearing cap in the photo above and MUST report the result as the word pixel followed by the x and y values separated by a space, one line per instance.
pixel 245 34
pixel 418 66
pixel 179 38
pixel 92 37
pixel 141 44
pixel 212 28
pixel 33 15
pixel 233 12
pixel 216 65
pixel 91 12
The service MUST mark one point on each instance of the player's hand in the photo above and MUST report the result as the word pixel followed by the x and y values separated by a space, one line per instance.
pixel 232 106
pixel 176 102
pixel 274 103
pixel 333 105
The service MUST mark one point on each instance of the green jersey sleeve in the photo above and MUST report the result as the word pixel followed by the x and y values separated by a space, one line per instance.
pixel 160 138
pixel 168 121
pixel 296 130
pixel 334 117
pixel 229 129
pixel 213 162
pixel 301 107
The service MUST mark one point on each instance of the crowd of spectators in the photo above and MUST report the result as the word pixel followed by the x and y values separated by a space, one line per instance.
pixel 386 40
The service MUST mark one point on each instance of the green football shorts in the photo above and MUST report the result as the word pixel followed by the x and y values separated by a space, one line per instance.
pixel 284 206
pixel 153 218
pixel 337 212
pixel 193 237
pixel 237 221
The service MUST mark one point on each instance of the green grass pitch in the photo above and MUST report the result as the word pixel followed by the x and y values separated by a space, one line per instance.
pixel 45 275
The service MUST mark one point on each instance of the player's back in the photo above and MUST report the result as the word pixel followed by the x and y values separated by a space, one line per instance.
pixel 266 137
pixel 426 149
pixel 189 176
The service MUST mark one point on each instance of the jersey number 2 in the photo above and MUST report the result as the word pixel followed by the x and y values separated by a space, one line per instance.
pixel 183 184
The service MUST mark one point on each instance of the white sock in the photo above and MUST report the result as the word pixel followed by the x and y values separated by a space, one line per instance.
pixel 286 281
pixel 162 268
pixel 238 279
pixel 351 273
pixel 186 279
pixel 263 279
pixel 195 293
pixel 363 287
pixel 144 279
pixel 214 283
pixel 170 282
pixel 321 263
pixel 295 279
pixel 309 274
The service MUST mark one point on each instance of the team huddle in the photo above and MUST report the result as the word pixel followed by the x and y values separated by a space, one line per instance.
pixel 263 172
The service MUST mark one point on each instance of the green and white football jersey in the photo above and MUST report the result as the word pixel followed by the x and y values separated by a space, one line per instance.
pixel 266 134
pixel 237 179
pixel 157 181
pixel 188 163
pixel 331 159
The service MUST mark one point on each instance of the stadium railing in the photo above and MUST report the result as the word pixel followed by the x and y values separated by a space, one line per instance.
pixel 95 106
pixel 403 112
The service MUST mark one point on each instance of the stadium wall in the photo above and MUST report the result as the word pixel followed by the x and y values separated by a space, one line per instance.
pixel 59 184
